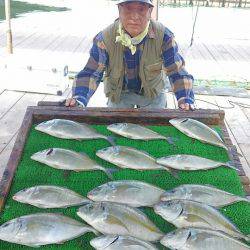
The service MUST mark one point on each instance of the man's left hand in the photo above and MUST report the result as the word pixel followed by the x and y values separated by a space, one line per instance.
pixel 186 106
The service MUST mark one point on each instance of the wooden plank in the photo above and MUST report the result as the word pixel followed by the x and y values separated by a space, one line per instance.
pixel 29 42
pixel 5 155
pixel 238 53
pixel 245 149
pixel 11 122
pixel 81 43
pixel 204 51
pixel 69 44
pixel 247 112
pixel 43 41
pixel 84 46
pixel 15 157
pixel 236 120
pixel 22 38
pixel 243 159
pixel 205 102
pixel 7 100
pixel 108 115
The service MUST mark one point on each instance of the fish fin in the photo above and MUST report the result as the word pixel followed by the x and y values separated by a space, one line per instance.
pixel 34 246
pixel 230 165
pixel 92 230
pixel 219 134
pixel 246 199
pixel 171 140
pixel 60 243
pixel 173 172
pixel 129 188
pixel 83 153
pixel 111 140
pixel 114 220
pixel 192 218
pixel 247 237
pixel 109 172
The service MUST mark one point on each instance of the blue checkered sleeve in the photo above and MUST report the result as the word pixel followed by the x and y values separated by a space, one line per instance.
pixel 88 79
pixel 174 66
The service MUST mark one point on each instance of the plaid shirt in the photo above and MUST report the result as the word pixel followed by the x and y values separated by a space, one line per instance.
pixel 88 79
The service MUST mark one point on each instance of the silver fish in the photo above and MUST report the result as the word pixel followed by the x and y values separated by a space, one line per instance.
pixel 67 129
pixel 60 158
pixel 130 192
pixel 185 213
pixel 42 229
pixel 198 130
pixel 136 132
pixel 115 242
pixel 204 194
pixel 201 239
pixel 127 157
pixel 113 218
pixel 191 162
pixel 50 197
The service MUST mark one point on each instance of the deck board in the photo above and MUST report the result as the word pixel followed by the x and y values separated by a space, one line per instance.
pixel 7 100
pixel 11 121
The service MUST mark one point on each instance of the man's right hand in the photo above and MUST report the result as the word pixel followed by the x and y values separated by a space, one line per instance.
pixel 71 102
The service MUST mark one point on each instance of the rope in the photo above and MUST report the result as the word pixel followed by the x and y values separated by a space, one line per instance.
pixel 232 103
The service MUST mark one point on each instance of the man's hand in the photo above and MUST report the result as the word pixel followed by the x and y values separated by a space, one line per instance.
pixel 71 102
pixel 186 106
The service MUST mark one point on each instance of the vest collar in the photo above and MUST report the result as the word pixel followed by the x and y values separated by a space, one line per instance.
pixel 151 31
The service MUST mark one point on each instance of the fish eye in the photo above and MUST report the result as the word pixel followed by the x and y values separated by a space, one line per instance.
pixel 49 151
pixel 5 225
pixel 184 120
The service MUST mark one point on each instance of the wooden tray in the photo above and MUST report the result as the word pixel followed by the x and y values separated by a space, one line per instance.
pixel 48 110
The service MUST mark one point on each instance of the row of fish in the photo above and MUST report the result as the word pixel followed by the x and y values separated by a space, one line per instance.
pixel 123 220
pixel 47 228
pixel 130 192
pixel 81 131
pixel 123 157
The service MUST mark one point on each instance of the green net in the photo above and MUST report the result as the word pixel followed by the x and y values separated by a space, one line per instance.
pixel 31 173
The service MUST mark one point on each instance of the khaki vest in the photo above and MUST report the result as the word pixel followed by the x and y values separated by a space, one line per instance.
pixel 150 69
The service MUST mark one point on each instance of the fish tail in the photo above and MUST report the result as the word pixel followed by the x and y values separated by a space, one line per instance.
pixel 109 172
pixel 230 165
pixel 246 199
pixel 171 140
pixel 86 201
pixel 247 238
pixel 95 232
pixel 173 172
pixel 111 140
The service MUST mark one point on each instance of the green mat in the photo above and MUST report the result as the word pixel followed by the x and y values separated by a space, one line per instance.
pixel 30 173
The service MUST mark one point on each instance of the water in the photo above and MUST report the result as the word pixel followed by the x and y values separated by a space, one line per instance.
pixel 18 8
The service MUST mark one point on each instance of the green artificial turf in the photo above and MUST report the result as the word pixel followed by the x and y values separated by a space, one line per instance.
pixel 31 173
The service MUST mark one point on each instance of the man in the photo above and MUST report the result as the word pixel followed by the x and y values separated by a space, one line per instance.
pixel 136 54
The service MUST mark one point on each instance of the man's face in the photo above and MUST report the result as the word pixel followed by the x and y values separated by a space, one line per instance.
pixel 134 17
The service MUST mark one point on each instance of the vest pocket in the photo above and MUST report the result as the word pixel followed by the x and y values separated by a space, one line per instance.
pixel 110 85
pixel 153 71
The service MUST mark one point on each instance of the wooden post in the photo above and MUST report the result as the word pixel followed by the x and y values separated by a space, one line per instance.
pixel 155 10
pixel 8 30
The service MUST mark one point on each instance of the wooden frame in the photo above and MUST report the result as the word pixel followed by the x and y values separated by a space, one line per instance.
pixel 46 111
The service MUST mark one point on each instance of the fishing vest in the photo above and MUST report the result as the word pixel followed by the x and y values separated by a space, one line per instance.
pixel 150 69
